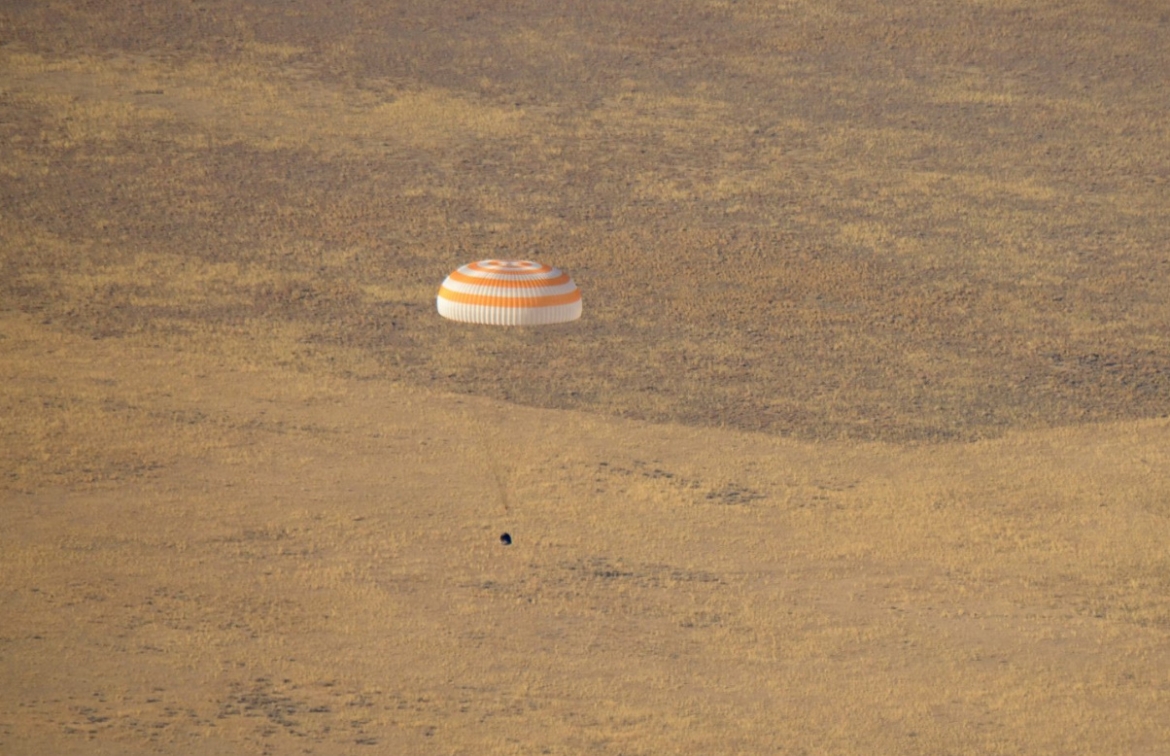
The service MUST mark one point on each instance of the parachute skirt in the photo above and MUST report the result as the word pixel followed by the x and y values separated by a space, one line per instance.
pixel 509 316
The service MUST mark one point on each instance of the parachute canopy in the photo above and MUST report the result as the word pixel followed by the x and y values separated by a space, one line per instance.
pixel 509 292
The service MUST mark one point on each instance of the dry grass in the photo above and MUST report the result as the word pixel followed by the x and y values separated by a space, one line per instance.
pixel 909 227
pixel 209 558
pixel 858 448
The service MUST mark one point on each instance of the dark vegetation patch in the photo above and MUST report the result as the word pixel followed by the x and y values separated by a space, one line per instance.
pixel 823 226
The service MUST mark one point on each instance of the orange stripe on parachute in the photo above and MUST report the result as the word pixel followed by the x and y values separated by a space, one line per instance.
pixel 510 271
pixel 487 300
pixel 532 284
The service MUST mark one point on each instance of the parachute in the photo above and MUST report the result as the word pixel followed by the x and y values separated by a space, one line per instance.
pixel 509 292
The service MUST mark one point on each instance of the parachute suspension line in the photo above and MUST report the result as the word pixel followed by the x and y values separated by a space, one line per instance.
pixel 490 455
pixel 501 476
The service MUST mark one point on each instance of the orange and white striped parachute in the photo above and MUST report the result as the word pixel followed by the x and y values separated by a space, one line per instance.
pixel 509 292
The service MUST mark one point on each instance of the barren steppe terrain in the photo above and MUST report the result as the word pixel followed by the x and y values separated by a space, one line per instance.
pixel 860 447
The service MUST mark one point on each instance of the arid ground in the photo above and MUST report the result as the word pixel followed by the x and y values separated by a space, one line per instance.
pixel 861 446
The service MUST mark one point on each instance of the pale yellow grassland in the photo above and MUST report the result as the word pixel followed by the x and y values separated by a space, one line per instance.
pixel 268 559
